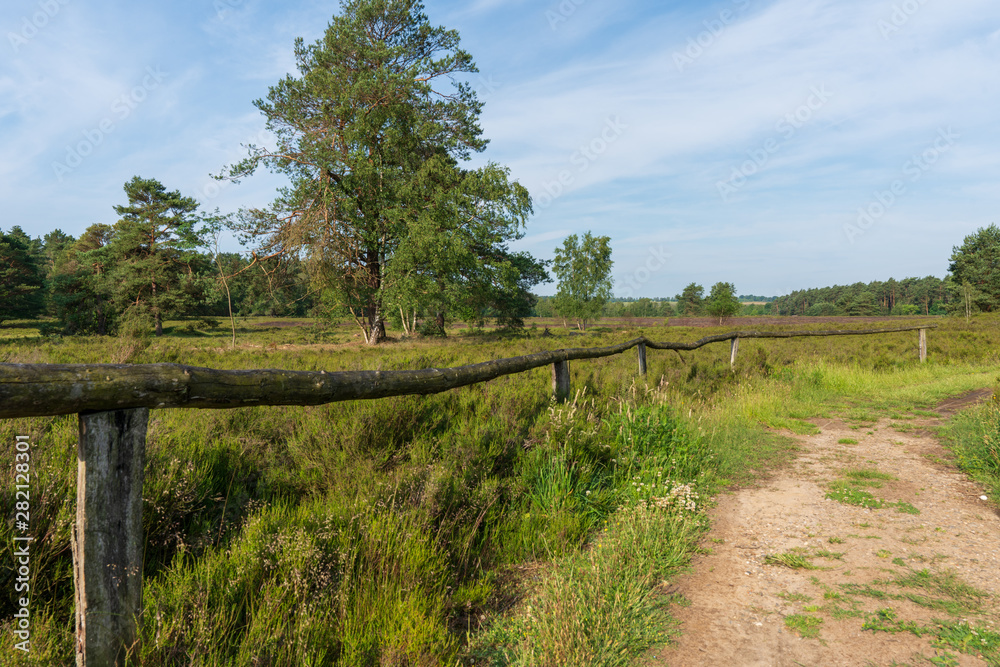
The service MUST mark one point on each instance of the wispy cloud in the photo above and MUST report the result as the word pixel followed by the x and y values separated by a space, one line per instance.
pixel 696 91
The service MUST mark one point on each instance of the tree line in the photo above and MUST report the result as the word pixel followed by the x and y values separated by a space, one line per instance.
pixel 380 218
pixel 143 272
pixel 910 296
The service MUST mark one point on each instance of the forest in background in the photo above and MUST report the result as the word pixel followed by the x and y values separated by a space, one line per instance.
pixel 86 284
pixel 72 285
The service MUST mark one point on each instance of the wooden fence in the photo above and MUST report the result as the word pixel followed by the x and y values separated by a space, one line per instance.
pixel 113 403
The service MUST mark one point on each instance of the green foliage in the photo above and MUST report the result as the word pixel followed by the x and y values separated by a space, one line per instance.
pixel 844 492
pixel 795 561
pixel 823 309
pixel 502 292
pixel 146 262
pixel 21 277
pixel 583 268
pixel 805 626
pixel 910 296
pixel 690 301
pixel 80 292
pixel 977 640
pixel 149 252
pixel 975 271
pixel 641 307
pixel 722 302
pixel 371 133
pixel 633 474
pixel 441 503
pixel 862 304
pixel 974 437
pixel 886 620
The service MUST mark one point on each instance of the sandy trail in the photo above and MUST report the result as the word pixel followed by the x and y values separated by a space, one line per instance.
pixel 738 603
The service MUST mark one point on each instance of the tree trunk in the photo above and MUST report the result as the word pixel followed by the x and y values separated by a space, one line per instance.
pixel 439 321
pixel 102 319
pixel 229 298
pixel 375 318
pixel 157 316
pixel 376 326
pixel 406 324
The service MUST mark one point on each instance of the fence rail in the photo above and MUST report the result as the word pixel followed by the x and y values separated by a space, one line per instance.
pixel 33 390
pixel 113 403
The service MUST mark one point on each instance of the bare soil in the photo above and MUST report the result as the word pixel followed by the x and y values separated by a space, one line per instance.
pixel 738 603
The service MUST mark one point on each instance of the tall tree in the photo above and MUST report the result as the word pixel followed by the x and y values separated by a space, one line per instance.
pixel 371 133
pixel 21 277
pixel 151 250
pixel 80 289
pixel 722 301
pixel 583 268
pixel 977 262
pixel 690 300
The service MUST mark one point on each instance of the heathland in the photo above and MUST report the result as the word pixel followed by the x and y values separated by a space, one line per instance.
pixel 486 525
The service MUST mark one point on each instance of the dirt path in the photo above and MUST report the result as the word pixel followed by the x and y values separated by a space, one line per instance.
pixel 868 559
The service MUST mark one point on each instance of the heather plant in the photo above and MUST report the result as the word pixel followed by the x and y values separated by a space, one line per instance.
pixel 397 531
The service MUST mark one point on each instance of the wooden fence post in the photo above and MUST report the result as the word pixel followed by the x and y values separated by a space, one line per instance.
pixel 107 537
pixel 923 345
pixel 734 346
pixel 560 380
pixel 642 358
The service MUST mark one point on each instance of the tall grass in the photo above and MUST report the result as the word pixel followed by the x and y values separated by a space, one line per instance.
pixel 392 532
pixel 638 476
pixel 974 437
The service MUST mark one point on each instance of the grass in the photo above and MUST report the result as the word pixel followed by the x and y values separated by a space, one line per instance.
pixel 962 636
pixel 791 560
pixel 973 437
pixel 847 490
pixel 411 530
pixel 969 639
pixel 794 597
pixel 805 626
pixel 380 532
pixel 844 492
pixel 865 476
pixel 942 592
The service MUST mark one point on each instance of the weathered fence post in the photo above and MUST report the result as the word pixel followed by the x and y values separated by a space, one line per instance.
pixel 923 345
pixel 560 380
pixel 107 536
pixel 642 358
pixel 734 346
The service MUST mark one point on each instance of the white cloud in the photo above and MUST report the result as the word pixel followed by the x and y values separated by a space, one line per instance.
pixel 686 125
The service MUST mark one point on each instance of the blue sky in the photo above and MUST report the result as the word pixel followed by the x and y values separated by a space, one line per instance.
pixel 776 145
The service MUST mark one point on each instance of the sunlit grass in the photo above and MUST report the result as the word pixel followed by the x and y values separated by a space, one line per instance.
pixel 390 531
